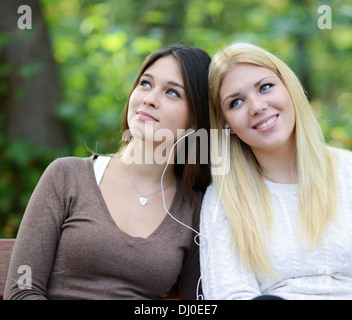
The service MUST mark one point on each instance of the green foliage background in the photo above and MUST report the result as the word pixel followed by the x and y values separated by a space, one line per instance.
pixel 99 46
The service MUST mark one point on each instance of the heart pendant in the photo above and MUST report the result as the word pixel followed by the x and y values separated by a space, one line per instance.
pixel 143 201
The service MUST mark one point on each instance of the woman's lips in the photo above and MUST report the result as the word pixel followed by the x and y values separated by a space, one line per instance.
pixel 146 116
pixel 266 123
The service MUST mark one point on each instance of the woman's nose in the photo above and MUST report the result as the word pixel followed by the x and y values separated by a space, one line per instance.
pixel 257 107
pixel 151 100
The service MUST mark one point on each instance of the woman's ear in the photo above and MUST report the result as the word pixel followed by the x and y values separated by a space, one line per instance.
pixel 227 127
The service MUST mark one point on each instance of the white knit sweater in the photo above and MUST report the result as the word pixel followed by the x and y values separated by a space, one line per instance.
pixel 322 273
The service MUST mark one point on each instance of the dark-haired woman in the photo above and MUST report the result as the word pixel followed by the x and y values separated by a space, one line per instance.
pixel 122 226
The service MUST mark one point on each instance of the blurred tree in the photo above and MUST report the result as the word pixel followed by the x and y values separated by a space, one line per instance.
pixel 32 89
pixel 31 133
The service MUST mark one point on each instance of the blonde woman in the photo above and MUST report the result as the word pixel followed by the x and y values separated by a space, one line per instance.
pixel 283 222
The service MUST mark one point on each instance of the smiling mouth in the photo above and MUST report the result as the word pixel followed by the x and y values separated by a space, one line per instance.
pixel 266 123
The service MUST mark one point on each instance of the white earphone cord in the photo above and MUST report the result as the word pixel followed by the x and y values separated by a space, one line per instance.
pixel 162 187
pixel 198 234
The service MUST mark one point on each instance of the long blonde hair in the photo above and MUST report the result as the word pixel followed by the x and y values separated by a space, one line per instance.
pixel 245 196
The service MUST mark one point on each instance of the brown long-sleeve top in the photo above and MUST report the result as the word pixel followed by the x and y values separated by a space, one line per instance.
pixel 75 250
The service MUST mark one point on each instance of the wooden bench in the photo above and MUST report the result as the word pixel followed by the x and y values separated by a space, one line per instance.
pixel 6 246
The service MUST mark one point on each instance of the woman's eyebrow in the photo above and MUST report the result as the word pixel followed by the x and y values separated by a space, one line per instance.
pixel 147 75
pixel 261 80
pixel 173 83
pixel 256 84
pixel 234 95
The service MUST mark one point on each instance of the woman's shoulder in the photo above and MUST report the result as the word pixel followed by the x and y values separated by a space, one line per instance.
pixel 211 195
pixel 211 206
pixel 344 156
pixel 69 167
pixel 343 162
pixel 69 163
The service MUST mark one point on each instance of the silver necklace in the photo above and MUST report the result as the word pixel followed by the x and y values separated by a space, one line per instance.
pixel 143 200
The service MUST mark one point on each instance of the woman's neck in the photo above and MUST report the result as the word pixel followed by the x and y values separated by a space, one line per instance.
pixel 138 160
pixel 278 166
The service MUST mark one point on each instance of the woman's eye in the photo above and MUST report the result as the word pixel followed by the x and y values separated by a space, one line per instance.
pixel 235 103
pixel 145 83
pixel 265 87
pixel 173 92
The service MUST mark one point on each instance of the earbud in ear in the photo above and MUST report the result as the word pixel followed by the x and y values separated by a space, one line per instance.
pixel 227 126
